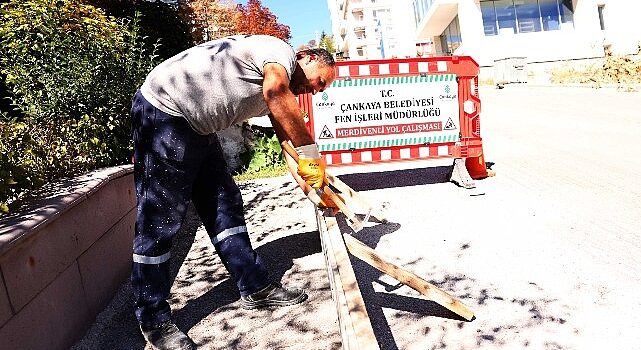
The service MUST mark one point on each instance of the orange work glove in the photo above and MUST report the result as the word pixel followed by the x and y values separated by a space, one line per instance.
pixel 322 200
pixel 311 167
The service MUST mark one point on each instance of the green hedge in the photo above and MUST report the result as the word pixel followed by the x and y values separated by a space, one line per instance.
pixel 70 72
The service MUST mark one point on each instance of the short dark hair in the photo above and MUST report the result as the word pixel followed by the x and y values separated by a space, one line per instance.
pixel 322 54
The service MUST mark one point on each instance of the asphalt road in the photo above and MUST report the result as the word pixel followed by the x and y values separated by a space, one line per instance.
pixel 546 252
pixel 548 256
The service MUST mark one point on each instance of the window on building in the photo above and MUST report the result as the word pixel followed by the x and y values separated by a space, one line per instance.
pixel 451 37
pixel 489 18
pixel 528 15
pixel 549 14
pixel 505 15
pixel 383 14
pixel 600 8
pixel 420 9
pixel 567 11
pixel 525 16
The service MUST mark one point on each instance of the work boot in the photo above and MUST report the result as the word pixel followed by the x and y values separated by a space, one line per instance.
pixel 273 295
pixel 166 336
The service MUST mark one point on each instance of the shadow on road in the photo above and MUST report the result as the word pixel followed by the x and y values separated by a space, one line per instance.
pixel 279 257
pixel 397 178
pixel 375 302
pixel 119 329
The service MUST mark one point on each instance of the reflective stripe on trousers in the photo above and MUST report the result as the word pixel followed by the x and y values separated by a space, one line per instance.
pixel 151 260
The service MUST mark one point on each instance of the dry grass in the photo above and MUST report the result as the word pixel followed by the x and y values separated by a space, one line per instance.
pixel 623 71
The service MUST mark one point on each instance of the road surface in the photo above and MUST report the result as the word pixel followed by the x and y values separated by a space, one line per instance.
pixel 548 256
pixel 546 252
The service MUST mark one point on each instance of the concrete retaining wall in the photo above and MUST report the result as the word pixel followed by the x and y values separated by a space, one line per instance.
pixel 63 257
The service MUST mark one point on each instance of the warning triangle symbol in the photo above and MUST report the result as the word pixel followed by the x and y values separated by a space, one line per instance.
pixel 450 124
pixel 326 134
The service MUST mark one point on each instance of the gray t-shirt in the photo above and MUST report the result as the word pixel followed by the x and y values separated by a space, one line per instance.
pixel 218 83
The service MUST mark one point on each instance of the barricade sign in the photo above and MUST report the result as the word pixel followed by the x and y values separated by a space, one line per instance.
pixel 387 110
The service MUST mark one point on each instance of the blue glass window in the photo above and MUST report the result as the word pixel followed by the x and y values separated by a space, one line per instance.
pixel 451 37
pixel 525 16
pixel 549 14
pixel 505 15
pixel 489 18
pixel 528 15
pixel 566 11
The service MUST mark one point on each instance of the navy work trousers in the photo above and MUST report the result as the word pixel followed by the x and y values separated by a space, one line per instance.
pixel 174 165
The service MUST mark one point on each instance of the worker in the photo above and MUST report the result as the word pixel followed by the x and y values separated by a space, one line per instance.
pixel 176 113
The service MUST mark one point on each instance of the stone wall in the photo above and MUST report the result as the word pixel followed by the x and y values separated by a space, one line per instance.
pixel 63 257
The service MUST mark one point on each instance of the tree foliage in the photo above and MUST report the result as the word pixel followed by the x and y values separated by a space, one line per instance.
pixel 254 18
pixel 209 19
pixel 159 21
pixel 70 72
pixel 327 43
pixel 212 19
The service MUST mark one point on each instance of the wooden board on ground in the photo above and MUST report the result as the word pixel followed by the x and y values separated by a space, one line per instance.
pixel 355 326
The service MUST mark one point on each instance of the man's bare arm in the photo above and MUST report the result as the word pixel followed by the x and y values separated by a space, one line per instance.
pixel 285 113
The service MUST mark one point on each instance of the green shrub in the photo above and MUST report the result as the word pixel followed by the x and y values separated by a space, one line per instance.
pixel 70 73
pixel 265 153
pixel 159 22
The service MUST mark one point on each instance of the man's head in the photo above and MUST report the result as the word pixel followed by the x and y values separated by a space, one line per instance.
pixel 314 71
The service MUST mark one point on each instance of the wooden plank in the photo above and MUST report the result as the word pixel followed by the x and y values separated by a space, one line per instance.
pixel 348 337
pixel 367 254
pixel 349 194
pixel 356 329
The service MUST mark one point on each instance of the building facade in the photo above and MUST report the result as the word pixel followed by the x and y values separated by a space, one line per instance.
pixel 372 29
pixel 538 31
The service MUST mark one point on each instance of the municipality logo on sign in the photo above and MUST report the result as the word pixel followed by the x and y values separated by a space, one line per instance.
pixel 325 103
pixel 448 94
